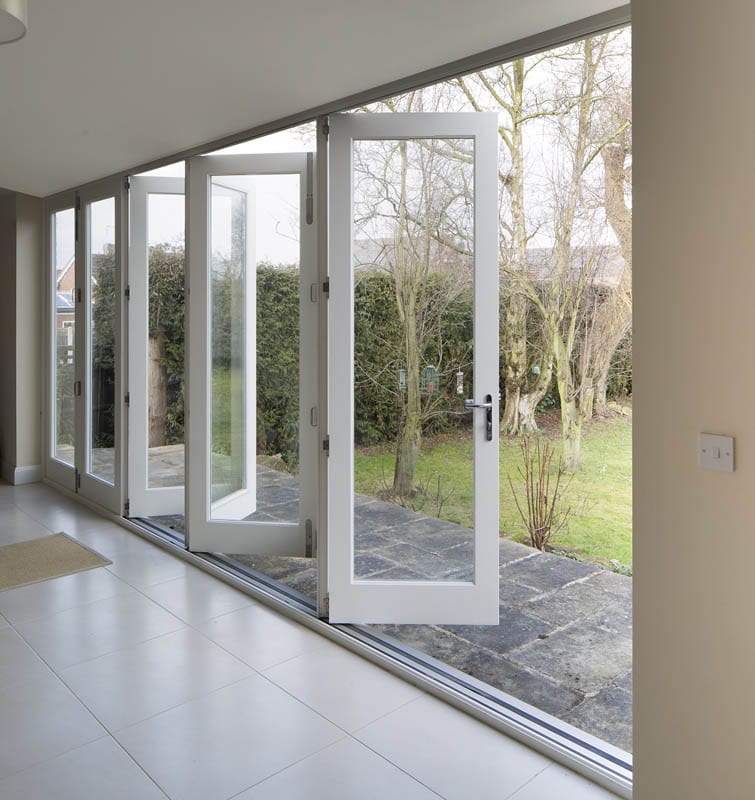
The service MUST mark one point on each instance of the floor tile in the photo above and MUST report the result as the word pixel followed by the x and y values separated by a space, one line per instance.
pixel 451 753
pixel 135 683
pixel 18 526
pixel 108 538
pixel 59 594
pixel 62 515
pixel 343 687
pixel 344 771
pixel 41 719
pixel 93 630
pixel 561 783
pixel 18 662
pixel 92 772
pixel 260 637
pixel 147 567
pixel 217 746
pixel 196 597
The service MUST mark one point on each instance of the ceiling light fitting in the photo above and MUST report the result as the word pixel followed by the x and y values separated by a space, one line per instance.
pixel 12 20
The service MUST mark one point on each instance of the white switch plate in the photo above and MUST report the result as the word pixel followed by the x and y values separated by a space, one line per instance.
pixel 716 452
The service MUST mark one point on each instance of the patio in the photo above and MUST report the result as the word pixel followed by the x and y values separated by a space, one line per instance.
pixel 564 641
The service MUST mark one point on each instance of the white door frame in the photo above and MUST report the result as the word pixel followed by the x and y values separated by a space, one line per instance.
pixel 205 534
pixel 144 501
pixel 100 491
pixel 375 601
pixel 56 470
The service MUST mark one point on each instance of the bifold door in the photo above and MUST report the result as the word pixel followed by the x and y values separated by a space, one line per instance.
pixel 414 196
pixel 99 293
pixel 236 206
pixel 156 463
pixel 61 342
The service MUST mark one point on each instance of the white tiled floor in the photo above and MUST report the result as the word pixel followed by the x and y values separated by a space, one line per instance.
pixel 150 679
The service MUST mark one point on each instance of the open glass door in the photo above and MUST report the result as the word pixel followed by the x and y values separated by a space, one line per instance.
pixel 156 463
pixel 399 205
pixel 98 327
pixel 61 280
pixel 232 200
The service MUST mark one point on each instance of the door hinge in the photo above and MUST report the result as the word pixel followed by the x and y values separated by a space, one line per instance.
pixel 309 548
pixel 127 293
pixel 77 479
pixel 127 398
pixel 310 209
pixel 77 388
pixel 78 295
pixel 126 508
pixel 325 127
pixel 326 287
pixel 126 183
pixel 326 445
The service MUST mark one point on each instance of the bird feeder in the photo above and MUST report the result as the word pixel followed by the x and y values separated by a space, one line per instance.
pixel 429 380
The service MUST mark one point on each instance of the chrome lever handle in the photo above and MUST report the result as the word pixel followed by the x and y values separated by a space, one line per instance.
pixel 472 404
pixel 488 406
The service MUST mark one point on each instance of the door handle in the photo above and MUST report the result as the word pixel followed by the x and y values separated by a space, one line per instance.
pixel 488 406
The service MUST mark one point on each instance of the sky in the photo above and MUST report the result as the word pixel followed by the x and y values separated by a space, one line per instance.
pixel 275 199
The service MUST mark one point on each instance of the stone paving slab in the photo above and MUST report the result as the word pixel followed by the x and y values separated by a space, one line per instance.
pixel 608 715
pixel 582 656
pixel 563 643
pixel 544 571
pixel 513 630
pixel 575 602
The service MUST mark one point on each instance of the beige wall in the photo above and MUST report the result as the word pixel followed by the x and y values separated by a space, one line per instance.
pixel 694 247
pixel 21 371
pixel 7 330
pixel 29 327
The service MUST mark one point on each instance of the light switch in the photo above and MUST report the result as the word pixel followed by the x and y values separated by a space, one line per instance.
pixel 716 452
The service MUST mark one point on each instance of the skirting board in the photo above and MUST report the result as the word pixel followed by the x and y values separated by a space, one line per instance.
pixel 19 475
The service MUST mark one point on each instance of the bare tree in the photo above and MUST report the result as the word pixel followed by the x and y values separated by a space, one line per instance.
pixel 506 90
pixel 413 204
pixel 576 257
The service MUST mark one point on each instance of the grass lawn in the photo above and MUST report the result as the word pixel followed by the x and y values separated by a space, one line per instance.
pixel 600 494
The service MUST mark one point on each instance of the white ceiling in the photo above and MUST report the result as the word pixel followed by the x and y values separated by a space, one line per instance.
pixel 98 86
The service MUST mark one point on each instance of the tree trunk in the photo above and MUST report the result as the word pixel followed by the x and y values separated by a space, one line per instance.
pixel 587 404
pixel 520 399
pixel 601 395
pixel 410 433
pixel 571 419
pixel 528 402
pixel 407 279
pixel 511 409
pixel 407 456
pixel 158 394
pixel 571 425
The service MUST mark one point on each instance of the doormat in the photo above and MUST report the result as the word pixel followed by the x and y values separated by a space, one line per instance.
pixel 42 559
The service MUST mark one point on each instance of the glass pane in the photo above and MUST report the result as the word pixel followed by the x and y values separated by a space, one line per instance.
pixel 413 251
pixel 104 296
pixel 278 325
pixel 228 302
pixel 300 139
pixel 165 373
pixel 64 276
pixel 255 281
